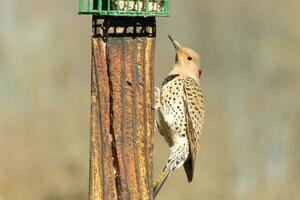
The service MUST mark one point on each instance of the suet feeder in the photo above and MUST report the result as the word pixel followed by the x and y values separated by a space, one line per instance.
pixel 122 99
pixel 130 8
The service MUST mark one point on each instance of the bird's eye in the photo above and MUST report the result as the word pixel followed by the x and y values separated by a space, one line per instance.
pixel 189 58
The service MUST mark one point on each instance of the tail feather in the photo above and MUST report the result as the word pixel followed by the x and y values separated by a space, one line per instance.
pixel 189 169
pixel 159 182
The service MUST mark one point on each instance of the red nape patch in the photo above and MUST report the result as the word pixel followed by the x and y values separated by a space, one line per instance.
pixel 199 73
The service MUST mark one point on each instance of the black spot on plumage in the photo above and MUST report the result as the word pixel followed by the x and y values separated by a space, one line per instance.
pixel 169 78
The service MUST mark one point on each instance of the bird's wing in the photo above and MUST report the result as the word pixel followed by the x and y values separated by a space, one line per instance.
pixel 164 129
pixel 194 108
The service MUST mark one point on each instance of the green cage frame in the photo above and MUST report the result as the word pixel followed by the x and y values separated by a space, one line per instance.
pixel 87 7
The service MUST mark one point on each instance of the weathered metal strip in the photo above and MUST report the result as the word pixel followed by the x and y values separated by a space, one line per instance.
pixel 121 113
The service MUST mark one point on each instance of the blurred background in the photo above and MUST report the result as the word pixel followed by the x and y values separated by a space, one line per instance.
pixel 251 76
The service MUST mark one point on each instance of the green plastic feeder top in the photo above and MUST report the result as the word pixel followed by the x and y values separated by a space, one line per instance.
pixel 131 8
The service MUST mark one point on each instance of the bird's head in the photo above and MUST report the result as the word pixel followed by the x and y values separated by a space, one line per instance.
pixel 187 60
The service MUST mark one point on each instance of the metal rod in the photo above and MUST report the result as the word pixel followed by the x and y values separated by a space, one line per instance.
pixel 108 5
pixel 118 6
pixel 81 5
pixel 99 5
pixel 147 5
pixel 138 6
pixel 89 5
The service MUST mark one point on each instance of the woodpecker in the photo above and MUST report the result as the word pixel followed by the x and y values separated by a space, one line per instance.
pixel 180 110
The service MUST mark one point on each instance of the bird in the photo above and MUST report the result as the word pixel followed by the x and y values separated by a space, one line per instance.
pixel 180 109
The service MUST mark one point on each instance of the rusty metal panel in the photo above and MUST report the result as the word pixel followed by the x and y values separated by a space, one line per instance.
pixel 122 118
pixel 102 178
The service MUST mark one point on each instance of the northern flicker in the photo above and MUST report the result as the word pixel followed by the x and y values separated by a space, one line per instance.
pixel 180 113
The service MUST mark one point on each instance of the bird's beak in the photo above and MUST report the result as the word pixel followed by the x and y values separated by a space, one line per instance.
pixel 175 43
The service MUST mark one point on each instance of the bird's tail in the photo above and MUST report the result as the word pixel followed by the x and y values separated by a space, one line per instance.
pixel 159 181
